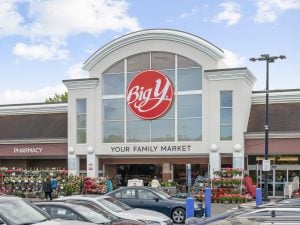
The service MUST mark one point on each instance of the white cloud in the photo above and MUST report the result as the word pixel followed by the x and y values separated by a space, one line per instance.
pixel 39 52
pixel 233 60
pixel 40 95
pixel 75 72
pixel 188 14
pixel 269 10
pixel 51 22
pixel 10 20
pixel 230 14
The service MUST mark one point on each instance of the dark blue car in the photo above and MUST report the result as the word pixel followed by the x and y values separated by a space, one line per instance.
pixel 155 199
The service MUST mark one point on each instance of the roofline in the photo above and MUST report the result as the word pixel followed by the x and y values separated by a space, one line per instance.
pixel 151 34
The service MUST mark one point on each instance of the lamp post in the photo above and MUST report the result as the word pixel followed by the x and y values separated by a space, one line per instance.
pixel 268 59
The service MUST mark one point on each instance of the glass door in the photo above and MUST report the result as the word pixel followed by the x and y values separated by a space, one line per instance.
pixel 280 179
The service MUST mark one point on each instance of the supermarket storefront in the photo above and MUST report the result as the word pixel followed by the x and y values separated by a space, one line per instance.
pixel 159 99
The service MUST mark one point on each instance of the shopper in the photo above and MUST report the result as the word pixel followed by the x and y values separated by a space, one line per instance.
pixel 109 185
pixel 155 182
pixel 47 188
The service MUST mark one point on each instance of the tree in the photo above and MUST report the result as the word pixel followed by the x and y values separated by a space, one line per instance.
pixel 58 98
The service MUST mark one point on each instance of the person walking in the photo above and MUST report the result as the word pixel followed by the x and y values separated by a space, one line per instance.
pixel 155 182
pixel 47 188
pixel 109 185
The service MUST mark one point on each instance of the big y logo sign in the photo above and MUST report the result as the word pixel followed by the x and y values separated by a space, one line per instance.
pixel 150 94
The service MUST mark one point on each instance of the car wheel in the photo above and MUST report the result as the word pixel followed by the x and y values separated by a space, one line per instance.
pixel 178 215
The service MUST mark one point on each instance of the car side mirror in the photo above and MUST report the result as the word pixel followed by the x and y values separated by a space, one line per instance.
pixel 156 199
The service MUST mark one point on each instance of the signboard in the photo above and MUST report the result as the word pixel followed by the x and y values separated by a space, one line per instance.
pixel 150 94
pixel 266 165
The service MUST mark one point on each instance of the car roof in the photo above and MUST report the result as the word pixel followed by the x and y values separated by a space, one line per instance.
pixel 7 198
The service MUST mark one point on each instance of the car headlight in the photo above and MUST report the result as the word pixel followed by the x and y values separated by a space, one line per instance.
pixel 149 221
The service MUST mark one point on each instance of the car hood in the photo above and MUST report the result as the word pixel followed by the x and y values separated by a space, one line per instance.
pixel 143 214
pixel 63 222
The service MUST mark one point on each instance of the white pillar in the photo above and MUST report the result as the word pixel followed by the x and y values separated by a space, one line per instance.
pixel 73 162
pixel 238 157
pixel 92 163
pixel 214 160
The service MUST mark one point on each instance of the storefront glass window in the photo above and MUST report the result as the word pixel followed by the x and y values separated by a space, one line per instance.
pixel 113 132
pixel 189 106
pixel 113 84
pixel 162 60
pixel 163 130
pixel 138 131
pixel 186 77
pixel 226 115
pixel 189 79
pixel 190 129
pixel 81 120
pixel 113 109
pixel 138 62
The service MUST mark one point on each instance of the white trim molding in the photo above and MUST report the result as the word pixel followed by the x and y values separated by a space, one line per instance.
pixel 261 135
pixel 35 141
pixel 155 34
pixel 276 96
pixel 88 83
pixel 231 74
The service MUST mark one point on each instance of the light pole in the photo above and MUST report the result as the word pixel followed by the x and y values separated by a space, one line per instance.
pixel 268 59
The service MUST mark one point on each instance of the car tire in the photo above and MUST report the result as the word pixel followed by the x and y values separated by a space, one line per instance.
pixel 178 215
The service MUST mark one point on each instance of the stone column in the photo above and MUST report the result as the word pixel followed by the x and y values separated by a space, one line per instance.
pixel 214 160
pixel 92 167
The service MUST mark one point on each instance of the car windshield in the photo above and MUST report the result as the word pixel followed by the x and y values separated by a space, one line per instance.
pixel 20 212
pixel 162 194
pixel 113 204
pixel 93 215
pixel 96 208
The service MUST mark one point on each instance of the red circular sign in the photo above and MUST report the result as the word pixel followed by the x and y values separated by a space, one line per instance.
pixel 150 94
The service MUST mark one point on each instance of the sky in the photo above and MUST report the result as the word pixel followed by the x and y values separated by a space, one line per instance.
pixel 43 42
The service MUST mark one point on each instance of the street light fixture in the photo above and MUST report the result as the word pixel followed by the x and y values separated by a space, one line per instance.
pixel 268 59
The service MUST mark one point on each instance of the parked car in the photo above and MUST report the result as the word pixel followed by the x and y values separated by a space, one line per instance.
pixel 155 199
pixel 17 211
pixel 120 209
pixel 69 211
pixel 265 215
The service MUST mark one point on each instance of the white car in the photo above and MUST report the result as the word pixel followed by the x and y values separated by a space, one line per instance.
pixel 120 209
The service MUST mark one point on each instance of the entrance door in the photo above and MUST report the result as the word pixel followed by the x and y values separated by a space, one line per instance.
pixel 277 177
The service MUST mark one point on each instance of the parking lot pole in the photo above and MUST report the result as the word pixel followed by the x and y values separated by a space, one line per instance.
pixel 258 197
pixel 207 202
pixel 190 211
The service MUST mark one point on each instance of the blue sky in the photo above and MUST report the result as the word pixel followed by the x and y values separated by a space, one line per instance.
pixel 43 42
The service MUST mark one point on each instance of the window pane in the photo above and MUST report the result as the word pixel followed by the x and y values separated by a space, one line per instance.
pixel 138 62
pixel 81 121
pixel 162 60
pixel 226 116
pixel 189 129
pixel 162 130
pixel 138 131
pixel 184 62
pixel 113 132
pixel 113 84
pixel 171 75
pixel 189 106
pixel 170 113
pixel 81 136
pixel 116 68
pixel 226 98
pixel 113 109
pixel 81 106
pixel 226 132
pixel 189 79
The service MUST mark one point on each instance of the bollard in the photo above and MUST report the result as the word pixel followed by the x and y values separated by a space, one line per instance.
pixel 189 207
pixel 258 197
pixel 207 202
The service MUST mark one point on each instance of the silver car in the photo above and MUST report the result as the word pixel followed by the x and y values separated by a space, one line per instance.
pixel 121 210
pixel 17 211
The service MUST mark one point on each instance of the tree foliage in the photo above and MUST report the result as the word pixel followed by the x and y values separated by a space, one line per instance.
pixel 58 98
